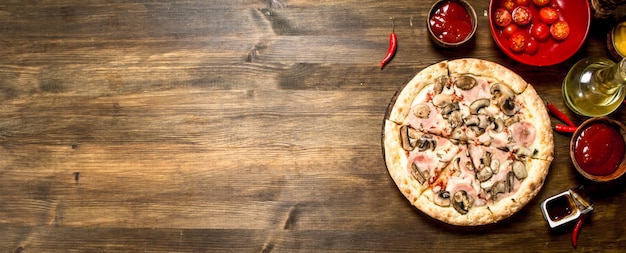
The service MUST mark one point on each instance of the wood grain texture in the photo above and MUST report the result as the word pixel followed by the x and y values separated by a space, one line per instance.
pixel 238 126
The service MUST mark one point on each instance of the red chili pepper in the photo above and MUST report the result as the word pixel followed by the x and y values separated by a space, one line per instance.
pixel 560 115
pixel 564 128
pixel 393 45
pixel 579 224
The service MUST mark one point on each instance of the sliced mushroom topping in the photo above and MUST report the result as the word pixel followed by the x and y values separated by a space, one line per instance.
pixel 426 141
pixel 495 166
pixel 440 83
pixel 512 120
pixel 426 174
pixel 519 168
pixel 456 166
pixel 477 123
pixel 421 111
pixel 462 202
pixel 442 100
pixel 472 120
pixel 448 109
pixel 458 136
pixel 509 107
pixel 484 174
pixel 485 160
pixel 498 188
pixel 510 181
pixel 498 91
pixel 504 97
pixel 469 166
pixel 423 144
pixel 465 82
pixel 404 138
pixel 477 130
pixel 456 119
pixel 504 148
pixel 485 121
pixel 498 125
pixel 487 143
pixel 420 176
pixel 478 104
pixel 408 137
pixel 486 186
pixel 522 152
pixel 442 198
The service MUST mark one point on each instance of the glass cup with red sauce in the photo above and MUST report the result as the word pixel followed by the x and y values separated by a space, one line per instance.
pixel 597 149
pixel 451 23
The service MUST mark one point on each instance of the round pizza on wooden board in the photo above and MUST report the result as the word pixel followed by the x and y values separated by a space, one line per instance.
pixel 468 141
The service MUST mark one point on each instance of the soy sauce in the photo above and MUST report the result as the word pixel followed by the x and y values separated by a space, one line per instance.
pixel 560 207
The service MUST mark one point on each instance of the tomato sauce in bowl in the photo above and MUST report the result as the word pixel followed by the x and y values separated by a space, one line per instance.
pixel 451 22
pixel 597 149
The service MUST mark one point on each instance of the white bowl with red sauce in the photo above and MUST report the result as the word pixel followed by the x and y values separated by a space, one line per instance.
pixel 597 149
pixel 451 23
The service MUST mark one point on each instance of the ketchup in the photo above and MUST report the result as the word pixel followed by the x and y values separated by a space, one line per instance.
pixel 599 149
pixel 451 22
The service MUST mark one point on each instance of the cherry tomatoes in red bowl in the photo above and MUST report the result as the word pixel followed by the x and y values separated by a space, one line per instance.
pixel 570 18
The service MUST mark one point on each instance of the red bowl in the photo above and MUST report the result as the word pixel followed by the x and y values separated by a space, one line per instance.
pixel 575 12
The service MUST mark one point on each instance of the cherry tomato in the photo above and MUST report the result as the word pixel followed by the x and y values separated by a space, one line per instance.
pixel 548 15
pixel 502 17
pixel 509 30
pixel 559 30
pixel 541 2
pixel 532 47
pixel 521 15
pixel 522 2
pixel 540 31
pixel 508 5
pixel 518 41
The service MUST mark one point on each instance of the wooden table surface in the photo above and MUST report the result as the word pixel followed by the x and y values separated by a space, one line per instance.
pixel 239 125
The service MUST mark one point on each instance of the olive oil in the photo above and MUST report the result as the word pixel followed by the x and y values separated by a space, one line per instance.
pixel 594 86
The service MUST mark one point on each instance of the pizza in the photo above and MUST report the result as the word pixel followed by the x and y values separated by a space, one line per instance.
pixel 468 141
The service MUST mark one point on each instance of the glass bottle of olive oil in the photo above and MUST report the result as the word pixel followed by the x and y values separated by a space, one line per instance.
pixel 594 86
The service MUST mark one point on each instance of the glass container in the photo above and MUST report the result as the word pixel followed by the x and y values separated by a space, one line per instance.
pixel 594 86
